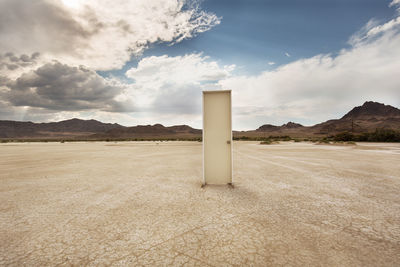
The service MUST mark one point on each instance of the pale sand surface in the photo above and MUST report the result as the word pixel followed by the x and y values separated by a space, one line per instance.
pixel 140 203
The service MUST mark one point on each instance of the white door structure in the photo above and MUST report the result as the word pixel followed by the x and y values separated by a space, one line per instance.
pixel 217 137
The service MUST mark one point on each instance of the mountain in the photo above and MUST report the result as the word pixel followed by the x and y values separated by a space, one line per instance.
pixel 271 128
pixel 67 128
pixel 292 125
pixel 366 118
pixel 372 109
pixel 91 129
pixel 151 131
pixel 268 128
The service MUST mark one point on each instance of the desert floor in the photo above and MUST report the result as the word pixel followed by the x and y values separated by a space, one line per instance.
pixel 141 203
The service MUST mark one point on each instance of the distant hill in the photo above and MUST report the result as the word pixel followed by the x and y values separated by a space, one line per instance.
pixel 372 110
pixel 366 118
pixel 151 131
pixel 269 127
pixel 73 127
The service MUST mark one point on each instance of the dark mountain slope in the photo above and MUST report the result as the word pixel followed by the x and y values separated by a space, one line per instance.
pixel 151 131
pixel 366 118
pixel 372 110
pixel 73 127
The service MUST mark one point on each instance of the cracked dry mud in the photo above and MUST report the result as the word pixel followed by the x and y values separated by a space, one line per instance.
pixel 141 203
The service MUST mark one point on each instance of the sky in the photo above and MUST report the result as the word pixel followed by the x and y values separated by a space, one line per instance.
pixel 140 62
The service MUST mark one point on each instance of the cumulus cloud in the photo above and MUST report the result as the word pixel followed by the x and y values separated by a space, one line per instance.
pixel 174 84
pixel 98 34
pixel 308 90
pixel 180 70
pixel 12 62
pixel 59 87
pixel 322 87
pixel 12 66
pixel 31 26
pixel 50 49
pixel 168 89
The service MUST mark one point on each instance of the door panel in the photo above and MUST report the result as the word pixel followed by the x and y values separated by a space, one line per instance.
pixel 217 137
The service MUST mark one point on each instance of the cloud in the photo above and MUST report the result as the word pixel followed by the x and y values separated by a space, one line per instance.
pixel 394 3
pixel 49 50
pixel 383 28
pixel 314 89
pixel 59 87
pixel 97 34
pixel 373 30
pixel 12 62
pixel 12 66
pixel 32 26
pixel 168 89
pixel 271 63
pixel 179 70
pixel 174 84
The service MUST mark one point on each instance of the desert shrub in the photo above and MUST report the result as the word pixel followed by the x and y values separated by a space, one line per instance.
pixel 243 138
pixel 379 135
pixel 285 138
pixel 345 136
pixel 384 135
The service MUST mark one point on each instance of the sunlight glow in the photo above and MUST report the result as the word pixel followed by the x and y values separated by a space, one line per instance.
pixel 73 3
